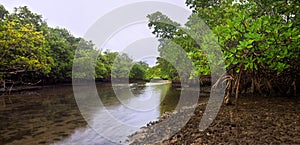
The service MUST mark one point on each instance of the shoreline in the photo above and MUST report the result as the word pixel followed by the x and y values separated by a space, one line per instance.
pixel 28 88
pixel 260 120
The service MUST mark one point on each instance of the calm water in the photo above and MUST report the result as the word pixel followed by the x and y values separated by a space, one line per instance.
pixel 51 115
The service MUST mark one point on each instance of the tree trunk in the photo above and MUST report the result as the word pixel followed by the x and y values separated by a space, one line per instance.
pixel 227 100
pixel 257 85
pixel 271 90
pixel 294 87
pixel 236 100
pixel 252 86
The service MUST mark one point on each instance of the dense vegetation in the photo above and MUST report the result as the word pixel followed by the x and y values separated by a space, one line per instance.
pixel 34 53
pixel 259 40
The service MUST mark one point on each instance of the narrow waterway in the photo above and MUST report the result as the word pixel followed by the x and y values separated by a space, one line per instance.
pixel 51 115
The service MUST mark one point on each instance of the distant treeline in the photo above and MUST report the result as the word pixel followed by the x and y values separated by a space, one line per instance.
pixel 31 52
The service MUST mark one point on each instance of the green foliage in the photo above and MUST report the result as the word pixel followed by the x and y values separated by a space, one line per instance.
pixel 154 72
pixel 259 41
pixel 139 71
pixel 32 51
pixel 62 47
pixel 104 64
pixel 172 41
pixel 3 12
pixel 257 37
pixel 85 63
pixel 121 66
pixel 25 16
pixel 165 70
pixel 23 48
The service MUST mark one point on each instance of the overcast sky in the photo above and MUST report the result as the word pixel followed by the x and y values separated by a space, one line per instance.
pixel 75 15
pixel 78 16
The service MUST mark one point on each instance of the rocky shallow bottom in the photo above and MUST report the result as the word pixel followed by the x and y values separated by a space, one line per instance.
pixel 260 120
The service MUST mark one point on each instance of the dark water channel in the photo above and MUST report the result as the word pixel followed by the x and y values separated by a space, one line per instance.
pixel 51 115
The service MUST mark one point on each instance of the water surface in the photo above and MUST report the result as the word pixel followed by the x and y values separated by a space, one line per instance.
pixel 51 115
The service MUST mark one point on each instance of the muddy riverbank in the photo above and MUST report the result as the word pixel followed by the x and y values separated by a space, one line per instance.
pixel 260 120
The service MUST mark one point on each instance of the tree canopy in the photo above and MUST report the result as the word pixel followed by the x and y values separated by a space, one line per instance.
pixel 31 51
pixel 259 40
